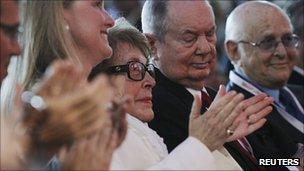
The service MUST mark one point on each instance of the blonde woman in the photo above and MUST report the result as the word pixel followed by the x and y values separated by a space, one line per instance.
pixel 74 31
pixel 64 29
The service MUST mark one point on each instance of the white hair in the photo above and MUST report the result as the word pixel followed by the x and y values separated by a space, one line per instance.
pixel 243 18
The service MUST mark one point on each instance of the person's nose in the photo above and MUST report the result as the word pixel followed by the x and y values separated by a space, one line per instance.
pixel 15 48
pixel 203 46
pixel 149 81
pixel 280 50
pixel 109 21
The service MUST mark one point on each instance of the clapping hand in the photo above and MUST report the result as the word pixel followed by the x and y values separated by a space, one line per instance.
pixel 72 108
pixel 229 117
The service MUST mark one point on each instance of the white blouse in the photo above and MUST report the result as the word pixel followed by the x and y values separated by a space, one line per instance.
pixel 144 149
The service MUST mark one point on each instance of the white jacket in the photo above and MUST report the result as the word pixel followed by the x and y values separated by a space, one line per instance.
pixel 144 149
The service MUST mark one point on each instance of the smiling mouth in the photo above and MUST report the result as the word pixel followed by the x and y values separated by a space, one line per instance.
pixel 280 65
pixel 202 65
pixel 145 101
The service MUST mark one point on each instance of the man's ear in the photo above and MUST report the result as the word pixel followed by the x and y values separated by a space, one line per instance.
pixel 231 48
pixel 152 41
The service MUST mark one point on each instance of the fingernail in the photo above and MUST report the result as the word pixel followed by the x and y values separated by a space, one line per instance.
pixel 232 92
pixel 248 121
pixel 240 95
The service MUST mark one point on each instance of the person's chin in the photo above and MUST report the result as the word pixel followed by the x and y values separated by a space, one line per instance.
pixel 147 115
pixel 282 79
pixel 200 74
pixel 150 116
pixel 106 52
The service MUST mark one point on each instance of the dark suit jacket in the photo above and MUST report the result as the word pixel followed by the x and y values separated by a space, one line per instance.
pixel 172 105
pixel 277 138
pixel 296 78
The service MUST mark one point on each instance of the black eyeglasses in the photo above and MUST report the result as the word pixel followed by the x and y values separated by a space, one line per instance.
pixel 270 43
pixel 135 70
pixel 11 31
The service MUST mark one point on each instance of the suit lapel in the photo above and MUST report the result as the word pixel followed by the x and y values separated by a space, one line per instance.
pixel 181 92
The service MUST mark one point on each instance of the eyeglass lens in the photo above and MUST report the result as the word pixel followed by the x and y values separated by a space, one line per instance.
pixel 270 42
pixel 137 71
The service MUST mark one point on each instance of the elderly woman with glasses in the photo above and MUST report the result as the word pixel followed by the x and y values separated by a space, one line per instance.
pixel 143 148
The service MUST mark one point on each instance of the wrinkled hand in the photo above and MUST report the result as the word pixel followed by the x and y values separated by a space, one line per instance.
pixel 61 78
pixel 74 107
pixel 13 140
pixel 94 153
pixel 252 117
pixel 211 127
pixel 78 114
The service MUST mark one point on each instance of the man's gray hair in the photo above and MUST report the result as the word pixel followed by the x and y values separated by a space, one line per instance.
pixel 153 18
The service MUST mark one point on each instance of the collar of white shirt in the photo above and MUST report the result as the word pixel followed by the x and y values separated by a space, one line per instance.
pixel 197 92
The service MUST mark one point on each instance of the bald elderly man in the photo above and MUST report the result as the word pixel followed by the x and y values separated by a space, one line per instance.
pixel 262 47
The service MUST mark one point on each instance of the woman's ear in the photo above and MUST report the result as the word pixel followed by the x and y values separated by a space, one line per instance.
pixel 67 14
pixel 232 51
pixel 152 42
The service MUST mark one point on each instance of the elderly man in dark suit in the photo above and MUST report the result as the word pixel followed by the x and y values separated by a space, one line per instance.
pixel 182 38
pixel 262 47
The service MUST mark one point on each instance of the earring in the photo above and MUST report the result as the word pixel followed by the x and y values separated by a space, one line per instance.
pixel 67 27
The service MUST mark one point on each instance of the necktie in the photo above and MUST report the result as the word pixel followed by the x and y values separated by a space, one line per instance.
pixel 290 105
pixel 246 145
pixel 246 153
pixel 206 100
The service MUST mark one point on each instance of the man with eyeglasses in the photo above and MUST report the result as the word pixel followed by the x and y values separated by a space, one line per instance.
pixel 9 25
pixel 262 47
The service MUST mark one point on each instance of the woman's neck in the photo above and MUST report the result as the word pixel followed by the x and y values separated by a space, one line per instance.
pixel 84 63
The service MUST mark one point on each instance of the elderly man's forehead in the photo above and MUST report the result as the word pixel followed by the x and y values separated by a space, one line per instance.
pixel 260 17
pixel 184 7
pixel 186 13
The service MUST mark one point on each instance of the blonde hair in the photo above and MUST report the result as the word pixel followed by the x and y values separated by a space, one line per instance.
pixel 44 39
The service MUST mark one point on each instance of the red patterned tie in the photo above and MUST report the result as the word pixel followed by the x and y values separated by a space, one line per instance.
pixel 206 100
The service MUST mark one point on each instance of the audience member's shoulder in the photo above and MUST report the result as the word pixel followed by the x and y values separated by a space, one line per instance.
pixel 296 78
pixel 296 87
pixel 298 91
